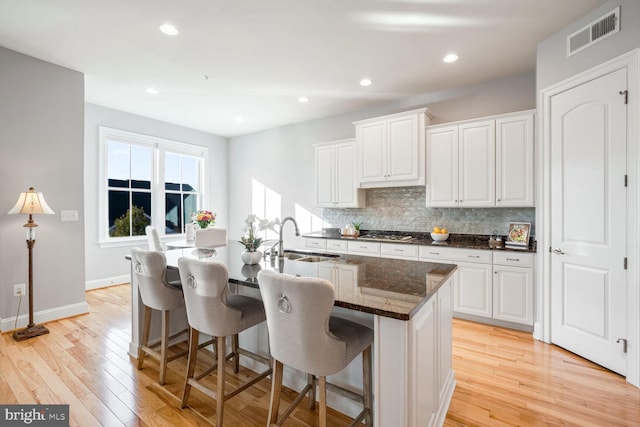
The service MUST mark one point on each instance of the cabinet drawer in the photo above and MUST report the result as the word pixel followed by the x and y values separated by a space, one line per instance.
pixel 339 246
pixel 434 252
pixel 364 248
pixel 517 259
pixel 399 250
pixel 473 255
pixel 319 244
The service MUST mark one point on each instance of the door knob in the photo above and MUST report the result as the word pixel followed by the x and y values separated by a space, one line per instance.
pixel 558 251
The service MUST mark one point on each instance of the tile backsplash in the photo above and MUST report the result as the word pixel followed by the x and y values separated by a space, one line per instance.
pixel 403 209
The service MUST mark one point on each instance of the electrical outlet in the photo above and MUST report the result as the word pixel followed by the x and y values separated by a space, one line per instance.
pixel 18 290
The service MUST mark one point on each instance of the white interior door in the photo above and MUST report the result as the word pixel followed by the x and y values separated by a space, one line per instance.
pixel 588 220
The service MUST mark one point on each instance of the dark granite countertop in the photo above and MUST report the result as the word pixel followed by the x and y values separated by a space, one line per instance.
pixel 463 241
pixel 386 287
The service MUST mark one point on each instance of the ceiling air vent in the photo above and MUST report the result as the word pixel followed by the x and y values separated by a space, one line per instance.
pixel 598 30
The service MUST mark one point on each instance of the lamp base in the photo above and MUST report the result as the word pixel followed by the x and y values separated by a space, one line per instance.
pixel 30 332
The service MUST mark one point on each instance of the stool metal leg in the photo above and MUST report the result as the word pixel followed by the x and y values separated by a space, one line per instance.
pixel 367 389
pixel 322 389
pixel 164 345
pixel 276 389
pixel 191 364
pixel 222 352
pixel 146 326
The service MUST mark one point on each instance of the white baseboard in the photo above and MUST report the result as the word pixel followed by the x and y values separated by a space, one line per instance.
pixel 109 281
pixel 45 316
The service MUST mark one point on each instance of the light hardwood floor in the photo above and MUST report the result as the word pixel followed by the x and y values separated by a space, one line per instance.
pixel 504 378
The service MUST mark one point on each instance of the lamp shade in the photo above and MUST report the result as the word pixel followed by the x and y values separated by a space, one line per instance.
pixel 31 202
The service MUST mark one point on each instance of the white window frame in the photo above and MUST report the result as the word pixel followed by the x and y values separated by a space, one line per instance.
pixel 160 147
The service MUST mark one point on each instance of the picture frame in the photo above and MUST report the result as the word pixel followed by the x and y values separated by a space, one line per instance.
pixel 518 235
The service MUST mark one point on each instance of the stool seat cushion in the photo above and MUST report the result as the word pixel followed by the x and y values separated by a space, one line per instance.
pixel 356 336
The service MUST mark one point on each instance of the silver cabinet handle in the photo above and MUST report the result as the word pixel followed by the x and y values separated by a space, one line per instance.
pixel 434 253
pixel 513 259
pixel 558 251
pixel 473 256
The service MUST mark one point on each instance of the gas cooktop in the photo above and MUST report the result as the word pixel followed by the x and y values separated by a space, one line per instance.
pixel 387 237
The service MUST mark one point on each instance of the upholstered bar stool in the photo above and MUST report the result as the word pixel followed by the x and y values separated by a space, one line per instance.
pixel 212 311
pixel 156 294
pixel 304 336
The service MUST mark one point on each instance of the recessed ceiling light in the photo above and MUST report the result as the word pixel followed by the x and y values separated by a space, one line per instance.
pixel 239 119
pixel 452 57
pixel 303 99
pixel 365 82
pixel 169 29
pixel 152 91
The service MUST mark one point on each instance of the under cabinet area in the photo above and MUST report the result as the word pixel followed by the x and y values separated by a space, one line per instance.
pixel 336 175
pixel 481 163
pixel 390 149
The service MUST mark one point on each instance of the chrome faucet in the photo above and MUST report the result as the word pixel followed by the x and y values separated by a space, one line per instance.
pixel 280 246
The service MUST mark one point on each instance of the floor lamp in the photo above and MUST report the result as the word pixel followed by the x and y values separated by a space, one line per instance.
pixel 31 203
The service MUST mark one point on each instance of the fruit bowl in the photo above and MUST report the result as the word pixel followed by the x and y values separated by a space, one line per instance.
pixel 439 237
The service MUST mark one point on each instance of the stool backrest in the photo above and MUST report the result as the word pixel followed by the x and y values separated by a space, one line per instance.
pixel 210 237
pixel 150 269
pixel 204 284
pixel 153 238
pixel 298 310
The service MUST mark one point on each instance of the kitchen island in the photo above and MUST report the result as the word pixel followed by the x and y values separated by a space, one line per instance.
pixel 408 304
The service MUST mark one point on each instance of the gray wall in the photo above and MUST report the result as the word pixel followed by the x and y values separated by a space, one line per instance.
pixel 283 158
pixel 552 63
pixel 41 145
pixel 107 265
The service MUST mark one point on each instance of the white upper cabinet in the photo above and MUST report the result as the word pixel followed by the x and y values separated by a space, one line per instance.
pixel 390 150
pixel 514 160
pixel 476 164
pixel 481 163
pixel 442 166
pixel 335 175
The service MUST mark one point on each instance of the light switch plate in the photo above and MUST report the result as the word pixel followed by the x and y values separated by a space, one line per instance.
pixel 68 215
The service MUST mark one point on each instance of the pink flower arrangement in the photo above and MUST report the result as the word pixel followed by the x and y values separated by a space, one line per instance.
pixel 204 218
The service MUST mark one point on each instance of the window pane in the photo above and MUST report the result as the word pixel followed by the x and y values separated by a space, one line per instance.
pixel 141 166
pixel 190 204
pixel 141 216
pixel 118 155
pixel 118 218
pixel 190 173
pixel 173 214
pixel 172 171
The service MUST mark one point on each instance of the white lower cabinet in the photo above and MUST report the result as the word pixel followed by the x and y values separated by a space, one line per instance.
pixel 513 288
pixel 473 289
pixel 492 285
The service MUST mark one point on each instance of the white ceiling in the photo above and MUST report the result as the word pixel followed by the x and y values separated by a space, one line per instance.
pixel 260 56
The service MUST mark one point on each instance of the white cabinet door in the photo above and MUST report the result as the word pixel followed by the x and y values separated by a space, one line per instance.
pixel 513 294
pixel 335 175
pixel 514 161
pixel 346 193
pixel 325 175
pixel 372 152
pixel 442 167
pixel 476 164
pixel 473 289
pixel 403 162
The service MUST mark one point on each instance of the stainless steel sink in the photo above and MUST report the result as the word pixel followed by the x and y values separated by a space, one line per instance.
pixel 294 256
pixel 313 259
pixel 309 257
